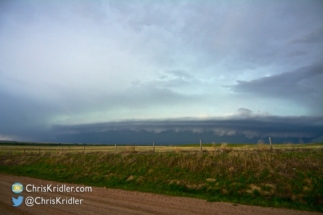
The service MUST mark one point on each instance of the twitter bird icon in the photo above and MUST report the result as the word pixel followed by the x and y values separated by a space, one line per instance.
pixel 17 201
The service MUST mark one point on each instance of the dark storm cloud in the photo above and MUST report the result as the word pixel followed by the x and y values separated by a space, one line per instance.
pixel 242 127
pixel 304 85
pixel 23 119
pixel 244 35
pixel 315 36
pixel 252 35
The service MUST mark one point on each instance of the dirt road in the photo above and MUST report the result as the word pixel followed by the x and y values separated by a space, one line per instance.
pixel 113 201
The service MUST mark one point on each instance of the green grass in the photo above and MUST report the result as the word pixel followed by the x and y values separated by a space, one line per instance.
pixel 291 179
pixel 21 148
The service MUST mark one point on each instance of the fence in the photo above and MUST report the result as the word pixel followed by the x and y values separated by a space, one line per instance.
pixel 34 149
pixel 87 149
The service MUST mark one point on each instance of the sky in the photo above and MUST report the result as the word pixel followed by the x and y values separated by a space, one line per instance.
pixel 163 71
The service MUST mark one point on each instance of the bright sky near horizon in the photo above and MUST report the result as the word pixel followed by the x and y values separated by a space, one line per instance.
pixel 71 63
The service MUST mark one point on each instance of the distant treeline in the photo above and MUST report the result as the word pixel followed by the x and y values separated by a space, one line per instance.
pixel 18 143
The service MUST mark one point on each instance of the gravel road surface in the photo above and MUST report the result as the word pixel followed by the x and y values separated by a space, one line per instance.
pixel 114 201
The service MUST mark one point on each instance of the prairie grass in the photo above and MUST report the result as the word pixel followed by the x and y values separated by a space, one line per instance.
pixel 278 178
pixel 59 149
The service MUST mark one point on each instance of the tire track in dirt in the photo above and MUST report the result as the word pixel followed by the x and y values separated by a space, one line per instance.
pixel 114 201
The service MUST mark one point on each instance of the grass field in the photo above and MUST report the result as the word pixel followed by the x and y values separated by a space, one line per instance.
pixel 208 147
pixel 288 176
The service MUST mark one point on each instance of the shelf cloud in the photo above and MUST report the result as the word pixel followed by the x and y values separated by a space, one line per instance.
pixel 245 125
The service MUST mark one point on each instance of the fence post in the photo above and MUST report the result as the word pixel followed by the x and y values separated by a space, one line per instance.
pixel 39 150
pixel 83 149
pixel 153 146
pixel 200 145
pixel 115 147
pixel 271 147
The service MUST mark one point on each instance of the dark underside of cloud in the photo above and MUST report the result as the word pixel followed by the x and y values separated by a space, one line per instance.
pixel 239 129
pixel 302 86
